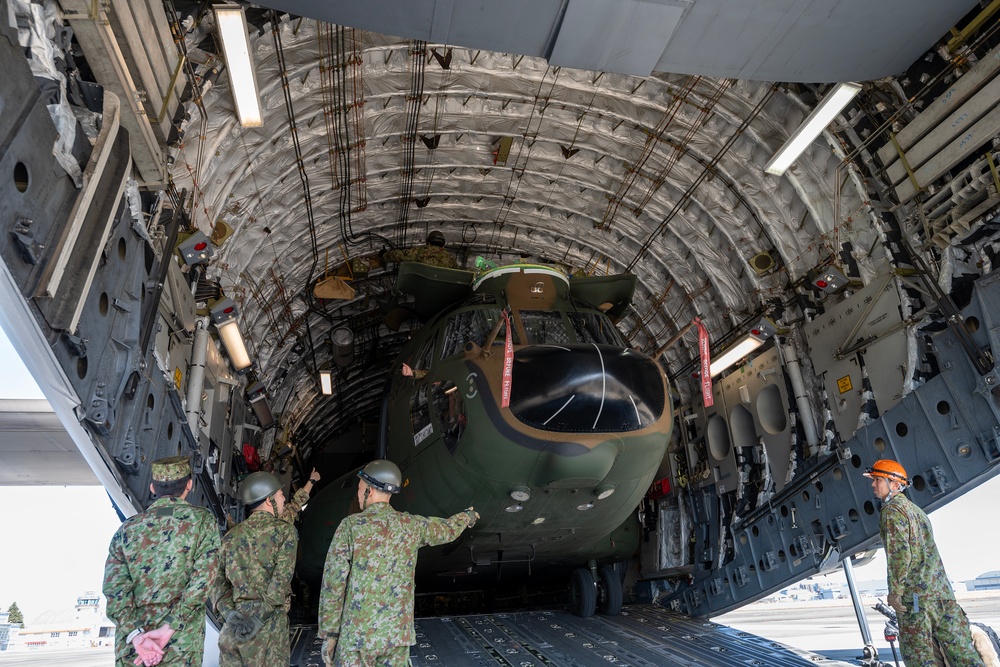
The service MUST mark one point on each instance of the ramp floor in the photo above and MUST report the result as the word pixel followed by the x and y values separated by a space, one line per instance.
pixel 642 636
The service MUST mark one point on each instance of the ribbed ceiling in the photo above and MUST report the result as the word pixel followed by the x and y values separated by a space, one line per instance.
pixel 660 176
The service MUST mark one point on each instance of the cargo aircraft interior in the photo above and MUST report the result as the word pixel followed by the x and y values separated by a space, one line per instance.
pixel 669 275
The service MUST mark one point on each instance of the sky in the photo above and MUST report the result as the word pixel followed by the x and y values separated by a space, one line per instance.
pixel 55 539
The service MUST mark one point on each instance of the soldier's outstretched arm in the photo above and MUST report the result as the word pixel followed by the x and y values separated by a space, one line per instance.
pixel 439 531
pixel 334 588
pixel 294 506
pixel 118 586
pixel 207 547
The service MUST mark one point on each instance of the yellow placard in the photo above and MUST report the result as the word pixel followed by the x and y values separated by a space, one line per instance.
pixel 844 384
pixel 177 377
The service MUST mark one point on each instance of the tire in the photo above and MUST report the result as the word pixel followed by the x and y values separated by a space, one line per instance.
pixel 582 593
pixel 609 596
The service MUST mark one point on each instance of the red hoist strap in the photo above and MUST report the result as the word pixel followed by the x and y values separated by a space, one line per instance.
pixel 508 363
pixel 706 364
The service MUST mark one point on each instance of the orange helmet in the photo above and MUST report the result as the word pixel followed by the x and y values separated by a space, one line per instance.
pixel 888 469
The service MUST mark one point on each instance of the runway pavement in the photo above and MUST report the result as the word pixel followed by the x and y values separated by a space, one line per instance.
pixel 830 628
pixel 87 657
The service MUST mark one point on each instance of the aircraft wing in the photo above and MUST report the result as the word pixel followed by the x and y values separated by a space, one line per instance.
pixel 35 448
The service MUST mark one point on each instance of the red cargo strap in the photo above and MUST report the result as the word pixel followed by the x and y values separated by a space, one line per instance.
pixel 706 364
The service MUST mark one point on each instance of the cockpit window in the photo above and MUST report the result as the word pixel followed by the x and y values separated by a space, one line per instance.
pixel 472 325
pixel 544 327
pixel 595 328
pixel 586 388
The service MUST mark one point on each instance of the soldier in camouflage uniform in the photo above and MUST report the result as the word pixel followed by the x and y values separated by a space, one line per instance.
pixel 433 253
pixel 254 585
pixel 919 590
pixel 160 565
pixel 366 601
pixel 294 506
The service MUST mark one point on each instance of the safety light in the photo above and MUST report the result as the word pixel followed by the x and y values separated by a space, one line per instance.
pixel 604 491
pixel 232 26
pixel 831 280
pixel 224 315
pixel 196 249
pixel 825 111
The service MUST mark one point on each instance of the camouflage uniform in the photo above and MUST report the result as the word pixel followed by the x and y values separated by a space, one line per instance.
pixel 917 575
pixel 295 505
pixel 367 592
pixel 159 569
pixel 258 558
pixel 425 254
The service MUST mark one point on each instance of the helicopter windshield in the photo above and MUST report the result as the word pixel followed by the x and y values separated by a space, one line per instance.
pixel 542 327
pixel 475 325
pixel 583 388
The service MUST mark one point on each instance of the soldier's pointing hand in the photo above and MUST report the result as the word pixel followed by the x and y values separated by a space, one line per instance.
pixel 473 516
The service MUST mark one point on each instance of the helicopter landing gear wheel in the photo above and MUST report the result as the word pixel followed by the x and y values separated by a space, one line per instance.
pixel 582 593
pixel 609 591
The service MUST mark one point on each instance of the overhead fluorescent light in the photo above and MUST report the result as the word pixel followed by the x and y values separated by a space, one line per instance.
pixel 231 23
pixel 826 111
pixel 223 315
pixel 757 336
pixel 326 381
pixel 734 354
pixel 235 347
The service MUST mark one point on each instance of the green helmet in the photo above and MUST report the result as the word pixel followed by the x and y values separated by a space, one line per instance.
pixel 382 475
pixel 257 486
pixel 436 238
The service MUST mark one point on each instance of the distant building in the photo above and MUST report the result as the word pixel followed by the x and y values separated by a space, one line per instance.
pixel 990 581
pixel 84 626
pixel 828 593
pixel 7 629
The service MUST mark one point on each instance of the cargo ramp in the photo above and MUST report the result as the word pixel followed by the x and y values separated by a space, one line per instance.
pixel 641 636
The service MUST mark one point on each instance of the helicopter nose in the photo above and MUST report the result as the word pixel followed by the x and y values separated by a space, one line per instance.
pixel 581 470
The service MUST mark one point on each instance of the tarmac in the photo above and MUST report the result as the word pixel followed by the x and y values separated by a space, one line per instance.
pixel 830 627
pixel 84 657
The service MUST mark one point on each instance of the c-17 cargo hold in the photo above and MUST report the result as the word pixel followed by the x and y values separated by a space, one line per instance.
pixel 181 284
